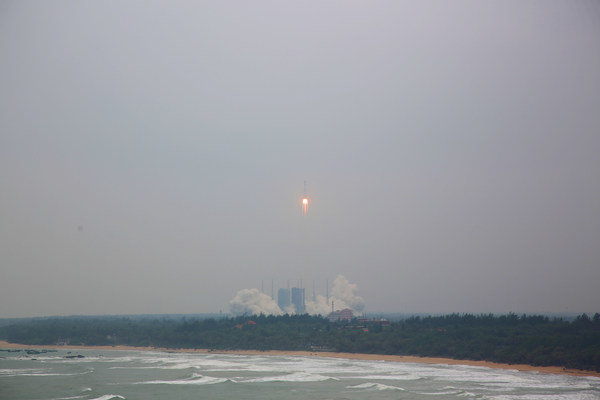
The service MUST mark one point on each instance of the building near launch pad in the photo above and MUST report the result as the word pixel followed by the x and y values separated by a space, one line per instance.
pixel 283 299
pixel 296 297
pixel 299 300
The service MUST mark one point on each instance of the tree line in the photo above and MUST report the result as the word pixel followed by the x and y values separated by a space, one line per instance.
pixel 535 340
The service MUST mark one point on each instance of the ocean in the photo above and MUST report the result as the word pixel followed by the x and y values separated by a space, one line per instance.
pixel 125 374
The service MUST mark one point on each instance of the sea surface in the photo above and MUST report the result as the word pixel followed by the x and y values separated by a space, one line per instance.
pixel 113 374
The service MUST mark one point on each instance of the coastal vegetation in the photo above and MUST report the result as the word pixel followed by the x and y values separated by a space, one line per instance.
pixel 535 340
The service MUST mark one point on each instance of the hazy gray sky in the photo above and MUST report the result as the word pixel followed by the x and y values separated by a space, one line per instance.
pixel 152 154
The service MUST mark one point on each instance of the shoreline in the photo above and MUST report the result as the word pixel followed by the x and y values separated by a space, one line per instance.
pixel 329 354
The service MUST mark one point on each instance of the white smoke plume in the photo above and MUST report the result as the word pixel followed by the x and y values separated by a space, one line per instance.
pixel 318 307
pixel 253 302
pixel 346 293
pixel 343 295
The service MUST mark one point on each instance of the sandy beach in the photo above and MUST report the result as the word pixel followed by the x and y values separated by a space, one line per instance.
pixel 355 356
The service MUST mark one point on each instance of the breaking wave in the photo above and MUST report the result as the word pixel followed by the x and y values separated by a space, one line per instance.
pixel 195 379
pixel 390 377
pixel 375 386
pixel 109 397
pixel 38 372
pixel 294 377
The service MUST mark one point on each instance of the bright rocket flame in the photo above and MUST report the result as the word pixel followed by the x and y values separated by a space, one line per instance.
pixel 304 205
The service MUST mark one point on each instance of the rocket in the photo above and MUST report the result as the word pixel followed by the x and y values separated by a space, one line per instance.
pixel 304 201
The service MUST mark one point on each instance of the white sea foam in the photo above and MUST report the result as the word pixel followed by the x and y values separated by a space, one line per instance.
pixel 195 379
pixel 197 361
pixel 315 365
pixel 482 375
pixel 185 364
pixel 531 381
pixel 109 397
pixel 20 371
pixel 541 385
pixel 37 372
pixel 376 386
pixel 49 374
pixel 49 358
pixel 95 359
pixel 564 396
pixel 293 377
pixel 449 393
pixel 387 377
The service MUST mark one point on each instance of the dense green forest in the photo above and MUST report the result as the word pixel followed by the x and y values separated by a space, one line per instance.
pixel 535 340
